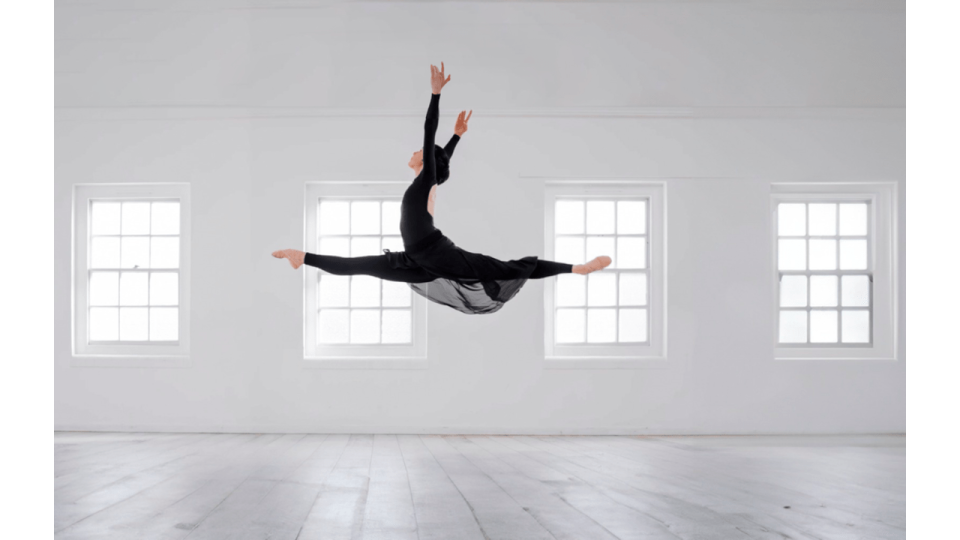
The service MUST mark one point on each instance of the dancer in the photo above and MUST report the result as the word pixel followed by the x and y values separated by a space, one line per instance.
pixel 431 263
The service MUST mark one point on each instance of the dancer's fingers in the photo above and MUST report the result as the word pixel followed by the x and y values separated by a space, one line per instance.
pixel 448 79
pixel 441 67
pixel 469 115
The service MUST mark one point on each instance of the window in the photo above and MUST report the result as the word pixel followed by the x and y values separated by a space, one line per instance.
pixel 834 271
pixel 131 270
pixel 350 317
pixel 617 312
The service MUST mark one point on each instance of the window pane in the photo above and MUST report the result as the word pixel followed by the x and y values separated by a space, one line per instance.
pixel 391 217
pixel 823 291
pixel 362 246
pixel 823 254
pixel 792 254
pixel 136 218
pixel 856 291
pixel 165 252
pixel 105 253
pixel 334 217
pixel 333 291
pixel 165 218
pixel 569 217
pixel 793 326
pixel 104 324
pixel 396 326
pixel 792 219
pixel 633 289
pixel 823 326
pixel 823 220
pixel 793 291
pixel 601 325
pixel 600 245
pixel 364 291
pixel 856 326
pixel 365 325
pixel 164 289
pixel 365 217
pixel 570 249
pixel 853 219
pixel 631 217
pixel 631 252
pixel 133 323
pixel 333 326
pixel 133 291
pixel 164 324
pixel 571 290
pixel 105 218
pixel 602 289
pixel 393 243
pixel 853 254
pixel 571 325
pixel 135 252
pixel 633 325
pixel 395 294
pixel 338 246
pixel 103 288
pixel 600 217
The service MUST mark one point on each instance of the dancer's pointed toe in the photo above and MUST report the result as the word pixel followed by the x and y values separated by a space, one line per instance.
pixel 598 263
pixel 294 256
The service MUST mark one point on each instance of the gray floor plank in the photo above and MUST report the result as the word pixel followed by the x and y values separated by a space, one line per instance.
pixel 499 515
pixel 389 512
pixel 535 495
pixel 337 511
pixel 442 513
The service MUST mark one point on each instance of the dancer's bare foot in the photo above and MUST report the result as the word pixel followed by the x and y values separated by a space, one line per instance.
pixel 599 263
pixel 294 256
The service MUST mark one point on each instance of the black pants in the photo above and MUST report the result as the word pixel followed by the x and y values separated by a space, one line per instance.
pixel 415 223
pixel 377 266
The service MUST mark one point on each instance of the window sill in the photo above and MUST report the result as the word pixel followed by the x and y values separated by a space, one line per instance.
pixel 354 362
pixel 130 361
pixel 604 362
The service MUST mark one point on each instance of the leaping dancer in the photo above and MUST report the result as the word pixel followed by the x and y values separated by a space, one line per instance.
pixel 431 263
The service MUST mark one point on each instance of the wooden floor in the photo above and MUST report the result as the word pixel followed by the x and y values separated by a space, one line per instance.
pixel 220 486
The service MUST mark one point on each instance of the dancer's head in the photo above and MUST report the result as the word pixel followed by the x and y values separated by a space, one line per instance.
pixel 440 156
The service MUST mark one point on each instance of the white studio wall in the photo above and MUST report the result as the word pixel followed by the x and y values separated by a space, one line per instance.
pixel 247 101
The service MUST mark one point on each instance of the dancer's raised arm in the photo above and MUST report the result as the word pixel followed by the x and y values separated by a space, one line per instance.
pixel 430 125
pixel 458 130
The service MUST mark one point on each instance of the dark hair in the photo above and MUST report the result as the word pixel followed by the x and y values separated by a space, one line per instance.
pixel 443 164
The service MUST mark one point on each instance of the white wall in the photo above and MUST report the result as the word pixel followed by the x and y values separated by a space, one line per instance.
pixel 249 100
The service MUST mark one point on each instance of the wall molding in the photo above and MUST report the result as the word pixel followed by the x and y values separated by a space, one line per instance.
pixel 211 112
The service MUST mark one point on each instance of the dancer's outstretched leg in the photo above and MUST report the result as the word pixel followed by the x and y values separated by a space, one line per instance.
pixel 371 265
pixel 547 268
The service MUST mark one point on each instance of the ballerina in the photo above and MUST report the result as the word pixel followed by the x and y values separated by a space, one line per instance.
pixel 431 263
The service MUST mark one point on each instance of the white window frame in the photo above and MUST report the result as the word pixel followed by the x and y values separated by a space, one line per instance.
pixel 126 354
pixel 355 355
pixel 613 355
pixel 883 261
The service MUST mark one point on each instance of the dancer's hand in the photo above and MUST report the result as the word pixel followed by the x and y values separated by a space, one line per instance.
pixel 436 78
pixel 461 126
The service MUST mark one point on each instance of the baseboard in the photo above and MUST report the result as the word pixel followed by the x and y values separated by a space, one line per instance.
pixel 457 430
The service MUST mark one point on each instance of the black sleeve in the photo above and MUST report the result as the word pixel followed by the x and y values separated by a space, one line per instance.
pixel 429 136
pixel 451 145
